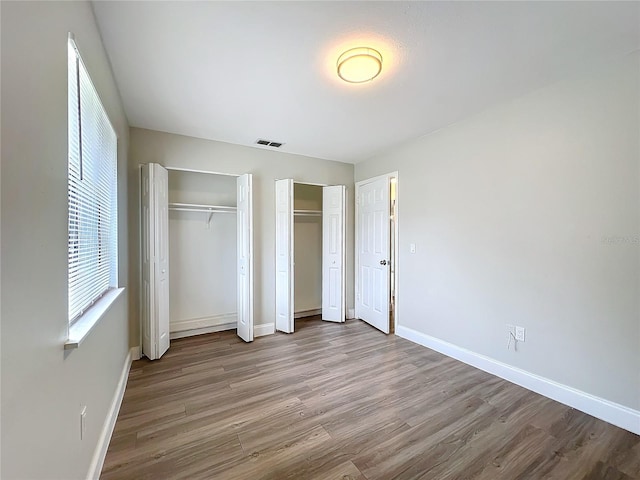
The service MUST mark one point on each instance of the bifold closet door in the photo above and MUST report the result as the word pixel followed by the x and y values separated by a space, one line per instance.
pixel 333 253
pixel 284 255
pixel 245 257
pixel 155 260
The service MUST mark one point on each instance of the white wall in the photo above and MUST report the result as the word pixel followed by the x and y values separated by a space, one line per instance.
pixel 266 166
pixel 202 253
pixel 528 214
pixel 43 386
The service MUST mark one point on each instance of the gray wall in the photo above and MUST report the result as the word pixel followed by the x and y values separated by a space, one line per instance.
pixel 528 214
pixel 42 386
pixel 266 166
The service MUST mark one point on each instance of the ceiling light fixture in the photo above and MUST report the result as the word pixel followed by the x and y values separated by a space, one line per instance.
pixel 359 65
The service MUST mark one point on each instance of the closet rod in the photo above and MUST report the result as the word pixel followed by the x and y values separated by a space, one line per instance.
pixel 308 213
pixel 205 210
pixel 196 207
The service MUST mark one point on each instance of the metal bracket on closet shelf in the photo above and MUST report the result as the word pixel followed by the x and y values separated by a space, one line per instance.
pixel 210 209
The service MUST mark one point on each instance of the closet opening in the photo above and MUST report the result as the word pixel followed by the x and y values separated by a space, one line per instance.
pixel 307 248
pixel 310 252
pixel 202 253
pixel 197 255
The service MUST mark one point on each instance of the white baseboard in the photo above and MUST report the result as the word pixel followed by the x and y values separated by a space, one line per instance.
pixel 307 313
pixel 136 354
pixel 100 453
pixel 211 323
pixel 202 331
pixel 351 313
pixel 619 415
pixel 264 329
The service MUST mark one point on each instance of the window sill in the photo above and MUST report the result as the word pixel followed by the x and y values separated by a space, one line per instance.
pixel 81 329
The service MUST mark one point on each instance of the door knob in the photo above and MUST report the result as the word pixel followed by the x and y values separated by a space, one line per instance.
pixel 383 262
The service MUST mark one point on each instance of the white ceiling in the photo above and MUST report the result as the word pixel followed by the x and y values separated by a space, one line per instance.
pixel 239 71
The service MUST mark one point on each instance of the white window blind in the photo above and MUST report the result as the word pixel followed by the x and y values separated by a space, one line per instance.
pixel 93 219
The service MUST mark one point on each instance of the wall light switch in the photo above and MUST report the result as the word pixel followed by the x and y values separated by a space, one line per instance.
pixel 412 248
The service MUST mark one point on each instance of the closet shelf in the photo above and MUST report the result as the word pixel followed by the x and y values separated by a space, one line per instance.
pixel 308 213
pixel 195 207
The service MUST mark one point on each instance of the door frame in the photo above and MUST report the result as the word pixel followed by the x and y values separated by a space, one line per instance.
pixel 396 252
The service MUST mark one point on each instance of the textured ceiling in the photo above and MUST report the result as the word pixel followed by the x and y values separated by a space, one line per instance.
pixel 239 71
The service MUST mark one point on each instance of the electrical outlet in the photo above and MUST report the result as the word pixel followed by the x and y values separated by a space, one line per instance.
pixel 511 329
pixel 520 334
pixel 83 422
pixel 412 248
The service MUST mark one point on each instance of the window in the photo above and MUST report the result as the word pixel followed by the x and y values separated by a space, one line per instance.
pixel 93 206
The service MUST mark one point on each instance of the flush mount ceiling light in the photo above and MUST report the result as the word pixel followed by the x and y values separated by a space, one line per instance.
pixel 359 65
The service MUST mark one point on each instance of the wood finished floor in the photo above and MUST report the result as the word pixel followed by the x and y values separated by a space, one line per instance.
pixel 343 401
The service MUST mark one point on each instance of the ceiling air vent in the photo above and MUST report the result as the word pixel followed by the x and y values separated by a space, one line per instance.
pixel 269 143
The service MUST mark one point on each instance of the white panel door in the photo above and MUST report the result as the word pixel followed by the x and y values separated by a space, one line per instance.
pixel 372 297
pixel 333 253
pixel 155 260
pixel 284 255
pixel 245 257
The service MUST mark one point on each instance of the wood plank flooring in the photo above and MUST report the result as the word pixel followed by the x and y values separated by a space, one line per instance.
pixel 343 401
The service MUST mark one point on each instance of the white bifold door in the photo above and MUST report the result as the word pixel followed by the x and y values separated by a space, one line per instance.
pixel 284 255
pixel 333 255
pixel 155 259
pixel 245 257
pixel 373 252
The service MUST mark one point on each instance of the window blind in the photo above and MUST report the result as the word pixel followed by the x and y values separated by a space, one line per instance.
pixel 92 174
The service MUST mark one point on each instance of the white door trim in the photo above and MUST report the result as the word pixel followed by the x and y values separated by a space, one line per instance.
pixel 208 172
pixel 396 253
pixel 310 183
pixel 140 240
pixel 356 258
